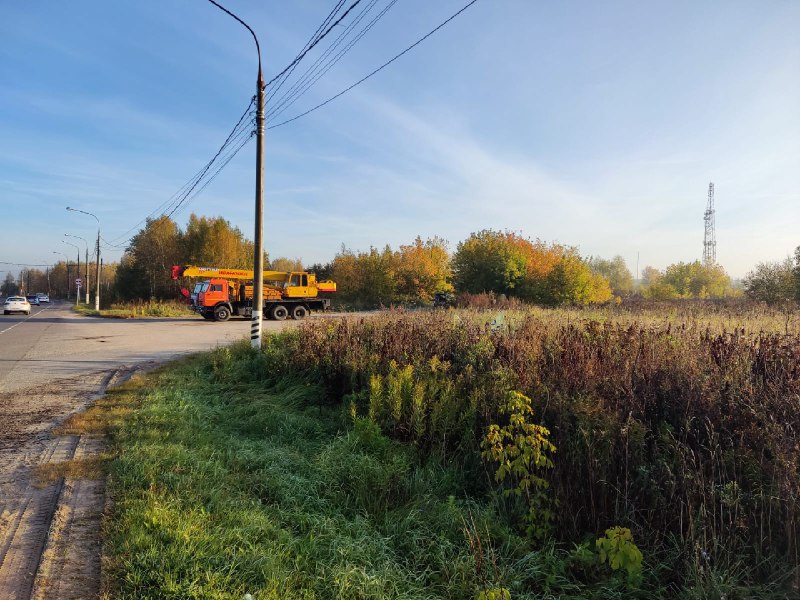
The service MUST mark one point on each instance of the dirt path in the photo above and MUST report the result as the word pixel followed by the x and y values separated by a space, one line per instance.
pixel 49 527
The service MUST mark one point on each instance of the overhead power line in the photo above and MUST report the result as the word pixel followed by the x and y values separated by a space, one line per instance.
pixel 310 41
pixel 238 137
pixel 383 66
pixel 23 264
pixel 317 41
pixel 185 194
pixel 320 67
pixel 179 197
pixel 223 163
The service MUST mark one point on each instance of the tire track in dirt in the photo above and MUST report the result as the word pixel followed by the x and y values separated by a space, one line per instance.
pixel 42 525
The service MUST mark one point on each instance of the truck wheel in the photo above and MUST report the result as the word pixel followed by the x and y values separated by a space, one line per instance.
pixel 299 312
pixel 279 313
pixel 222 313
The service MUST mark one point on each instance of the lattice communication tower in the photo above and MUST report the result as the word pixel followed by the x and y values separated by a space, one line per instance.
pixel 710 238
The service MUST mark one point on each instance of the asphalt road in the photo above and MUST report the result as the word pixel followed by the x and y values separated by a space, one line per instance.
pixel 53 343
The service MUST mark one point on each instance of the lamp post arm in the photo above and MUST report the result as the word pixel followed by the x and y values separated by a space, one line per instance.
pixel 258 47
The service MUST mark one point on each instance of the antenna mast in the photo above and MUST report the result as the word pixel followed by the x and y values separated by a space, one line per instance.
pixel 710 238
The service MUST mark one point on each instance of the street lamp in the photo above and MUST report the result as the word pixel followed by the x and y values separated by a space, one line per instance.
pixel 66 265
pixel 77 287
pixel 97 273
pixel 258 256
pixel 87 263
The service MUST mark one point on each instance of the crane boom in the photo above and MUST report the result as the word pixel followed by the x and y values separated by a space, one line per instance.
pixel 192 271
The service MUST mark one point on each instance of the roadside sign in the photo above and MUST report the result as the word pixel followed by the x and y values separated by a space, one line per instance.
pixel 78 282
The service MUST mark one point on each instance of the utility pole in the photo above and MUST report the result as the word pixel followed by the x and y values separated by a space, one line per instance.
pixel 97 270
pixel 258 254
pixel 86 282
pixel 77 287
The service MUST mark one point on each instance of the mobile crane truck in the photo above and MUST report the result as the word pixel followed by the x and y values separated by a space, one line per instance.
pixel 229 292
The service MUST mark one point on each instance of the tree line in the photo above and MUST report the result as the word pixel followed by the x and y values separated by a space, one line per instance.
pixel 498 263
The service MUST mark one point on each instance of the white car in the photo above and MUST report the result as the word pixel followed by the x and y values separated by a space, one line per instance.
pixel 43 298
pixel 16 304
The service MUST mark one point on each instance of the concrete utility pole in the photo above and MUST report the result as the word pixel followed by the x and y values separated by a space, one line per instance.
pixel 97 271
pixel 77 289
pixel 258 254
pixel 86 244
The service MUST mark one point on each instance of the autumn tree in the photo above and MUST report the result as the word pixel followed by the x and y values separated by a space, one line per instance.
pixel 365 278
pixel 60 278
pixel 132 281
pixel 214 242
pixel 653 286
pixel 572 282
pixel 145 270
pixel 772 282
pixel 507 263
pixel 697 280
pixel 422 269
pixel 615 271
pixel 344 270
pixel 146 267
pixel 490 261
pixel 651 275
pixel 108 284
pixel 285 264
pixel 660 290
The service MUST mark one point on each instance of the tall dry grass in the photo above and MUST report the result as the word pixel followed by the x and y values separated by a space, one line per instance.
pixel 684 427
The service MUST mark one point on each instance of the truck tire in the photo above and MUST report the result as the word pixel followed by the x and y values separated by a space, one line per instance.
pixel 299 312
pixel 279 313
pixel 222 313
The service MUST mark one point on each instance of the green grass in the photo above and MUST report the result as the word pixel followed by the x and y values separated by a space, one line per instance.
pixel 137 310
pixel 221 489
pixel 239 472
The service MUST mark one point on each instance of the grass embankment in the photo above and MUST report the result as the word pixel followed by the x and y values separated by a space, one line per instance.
pixel 345 461
pixel 228 482
pixel 137 310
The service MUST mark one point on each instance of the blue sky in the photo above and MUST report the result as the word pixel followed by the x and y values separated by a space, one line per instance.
pixel 594 124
